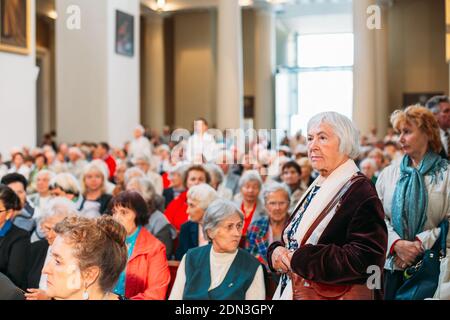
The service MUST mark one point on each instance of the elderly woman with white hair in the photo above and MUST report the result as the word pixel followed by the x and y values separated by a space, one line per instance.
pixel 191 236
pixel 56 211
pixel 148 166
pixel 368 168
pixel 217 179
pixel 93 186
pixel 158 225
pixel 140 145
pixel 220 270
pixel 248 200
pixel 268 229
pixel 76 162
pixel 42 196
pixel 337 230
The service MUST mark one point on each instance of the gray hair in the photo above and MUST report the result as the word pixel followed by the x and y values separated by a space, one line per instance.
pixel 216 171
pixel 61 207
pixel 67 183
pixel 274 187
pixel 133 172
pixel 434 103
pixel 369 161
pixel 218 211
pixel 47 172
pixel 150 160
pixel 251 175
pixel 76 151
pixel 343 127
pixel 204 194
pixel 146 188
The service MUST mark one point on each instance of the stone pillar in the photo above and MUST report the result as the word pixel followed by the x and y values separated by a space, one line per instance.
pixel 230 66
pixel 154 76
pixel 265 56
pixel 382 78
pixel 364 89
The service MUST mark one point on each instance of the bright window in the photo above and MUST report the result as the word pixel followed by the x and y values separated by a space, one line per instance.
pixel 325 77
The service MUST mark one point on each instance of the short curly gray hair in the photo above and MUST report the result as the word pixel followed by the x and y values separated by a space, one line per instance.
pixel 218 211
pixel 274 187
pixel 251 175
pixel 203 193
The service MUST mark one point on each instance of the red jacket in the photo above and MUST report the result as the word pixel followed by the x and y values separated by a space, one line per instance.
pixel 176 211
pixel 147 272
pixel 111 163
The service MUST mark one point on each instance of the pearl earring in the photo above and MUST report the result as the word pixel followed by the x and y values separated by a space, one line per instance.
pixel 85 294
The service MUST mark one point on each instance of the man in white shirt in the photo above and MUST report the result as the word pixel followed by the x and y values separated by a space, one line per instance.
pixel 440 106
pixel 201 143
pixel 140 145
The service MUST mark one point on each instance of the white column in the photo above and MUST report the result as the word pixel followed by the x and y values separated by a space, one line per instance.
pixel 230 69
pixel 97 89
pixel 18 74
pixel 154 102
pixel 264 69
pixel 382 86
pixel 364 90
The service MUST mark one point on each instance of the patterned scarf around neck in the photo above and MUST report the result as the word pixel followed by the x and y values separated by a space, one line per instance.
pixel 410 200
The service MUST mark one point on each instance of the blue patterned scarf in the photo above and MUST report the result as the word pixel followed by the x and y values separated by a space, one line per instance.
pixel 410 200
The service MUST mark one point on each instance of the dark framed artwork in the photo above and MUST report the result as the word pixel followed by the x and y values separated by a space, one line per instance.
pixel 249 107
pixel 124 34
pixel 418 97
pixel 15 26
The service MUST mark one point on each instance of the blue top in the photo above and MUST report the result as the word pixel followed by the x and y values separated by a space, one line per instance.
pixel 5 229
pixel 131 242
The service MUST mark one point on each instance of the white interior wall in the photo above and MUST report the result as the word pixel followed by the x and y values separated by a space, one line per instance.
pixel 18 96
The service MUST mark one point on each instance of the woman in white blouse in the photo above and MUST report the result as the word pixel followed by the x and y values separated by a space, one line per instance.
pixel 414 193
pixel 220 270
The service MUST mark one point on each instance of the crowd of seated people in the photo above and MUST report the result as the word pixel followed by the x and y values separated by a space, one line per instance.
pixel 145 220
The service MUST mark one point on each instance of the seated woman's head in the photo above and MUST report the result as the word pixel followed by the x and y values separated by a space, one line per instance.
pixel 86 259
pixel 332 140
pixel 419 130
pixel 276 199
pixel 250 185
pixel 9 204
pixel 145 188
pixel 291 173
pixel 65 185
pixel 198 199
pixel 195 175
pixel 130 209
pixel 94 177
pixel 368 167
pixel 56 211
pixel 222 225
pixel 306 168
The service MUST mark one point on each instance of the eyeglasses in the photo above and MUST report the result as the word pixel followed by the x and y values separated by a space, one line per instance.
pixel 278 204
pixel 229 227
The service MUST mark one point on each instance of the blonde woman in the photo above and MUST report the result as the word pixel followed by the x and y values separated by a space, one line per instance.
pixel 93 187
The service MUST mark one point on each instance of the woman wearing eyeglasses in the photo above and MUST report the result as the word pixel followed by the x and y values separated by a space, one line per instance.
pixel 268 229
pixel 220 270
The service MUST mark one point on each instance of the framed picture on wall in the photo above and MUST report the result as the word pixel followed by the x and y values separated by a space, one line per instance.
pixel 124 34
pixel 15 26
pixel 418 97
